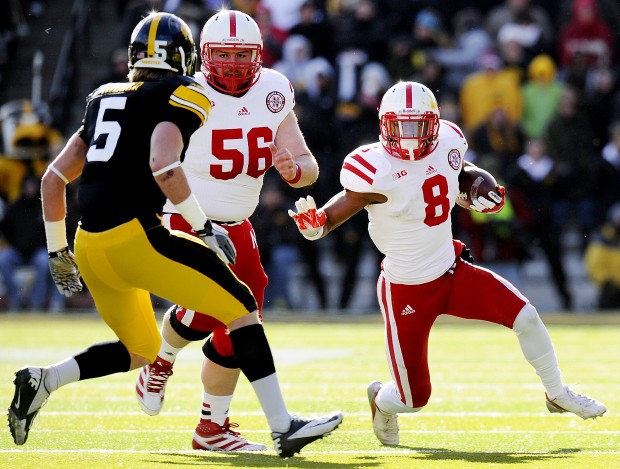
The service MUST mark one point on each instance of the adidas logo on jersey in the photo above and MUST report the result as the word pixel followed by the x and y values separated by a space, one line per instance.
pixel 408 310
pixel 430 170
pixel 244 111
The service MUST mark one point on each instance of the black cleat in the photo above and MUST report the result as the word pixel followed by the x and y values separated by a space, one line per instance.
pixel 304 431
pixel 30 395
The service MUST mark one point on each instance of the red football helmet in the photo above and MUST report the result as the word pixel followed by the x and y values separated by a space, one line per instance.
pixel 409 120
pixel 231 30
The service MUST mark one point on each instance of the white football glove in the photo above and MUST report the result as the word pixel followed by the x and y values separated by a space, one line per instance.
pixel 65 272
pixel 482 204
pixel 217 239
pixel 310 221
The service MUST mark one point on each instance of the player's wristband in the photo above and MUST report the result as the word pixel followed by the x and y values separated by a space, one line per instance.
pixel 297 176
pixel 56 235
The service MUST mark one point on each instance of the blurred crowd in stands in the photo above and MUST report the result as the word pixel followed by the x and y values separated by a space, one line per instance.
pixel 535 86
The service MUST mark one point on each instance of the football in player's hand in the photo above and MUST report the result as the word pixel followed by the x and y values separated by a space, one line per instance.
pixel 475 182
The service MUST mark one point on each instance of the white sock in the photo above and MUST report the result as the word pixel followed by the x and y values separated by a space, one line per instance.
pixel 167 351
pixel 538 349
pixel 267 390
pixel 388 400
pixel 215 408
pixel 547 369
pixel 65 372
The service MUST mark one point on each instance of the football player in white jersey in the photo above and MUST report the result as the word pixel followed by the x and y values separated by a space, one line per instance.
pixel 408 184
pixel 252 127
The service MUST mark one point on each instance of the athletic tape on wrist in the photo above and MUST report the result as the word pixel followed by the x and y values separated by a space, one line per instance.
pixel 191 211
pixel 56 235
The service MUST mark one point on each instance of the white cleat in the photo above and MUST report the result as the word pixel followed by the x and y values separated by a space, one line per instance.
pixel 151 385
pixel 569 401
pixel 213 437
pixel 384 425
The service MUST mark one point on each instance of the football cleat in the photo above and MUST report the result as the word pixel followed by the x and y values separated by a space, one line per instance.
pixel 213 437
pixel 384 425
pixel 304 431
pixel 583 406
pixel 151 385
pixel 30 395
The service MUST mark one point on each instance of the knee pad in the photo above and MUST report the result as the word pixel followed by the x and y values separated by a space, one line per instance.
pixel 221 341
pixel 184 331
pixel 209 350
pixel 527 317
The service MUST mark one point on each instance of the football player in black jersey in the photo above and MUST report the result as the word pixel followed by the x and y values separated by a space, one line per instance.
pixel 128 154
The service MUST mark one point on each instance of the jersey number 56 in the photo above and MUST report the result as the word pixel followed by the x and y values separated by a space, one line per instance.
pixel 259 157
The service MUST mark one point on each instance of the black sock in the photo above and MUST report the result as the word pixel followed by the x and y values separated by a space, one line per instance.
pixel 103 359
pixel 253 352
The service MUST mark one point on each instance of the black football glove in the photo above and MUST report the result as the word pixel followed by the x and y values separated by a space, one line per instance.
pixel 466 255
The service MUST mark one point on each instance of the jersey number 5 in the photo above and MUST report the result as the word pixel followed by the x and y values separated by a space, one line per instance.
pixel 111 129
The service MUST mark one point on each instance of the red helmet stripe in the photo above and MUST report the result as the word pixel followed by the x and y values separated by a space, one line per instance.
pixel 408 96
pixel 232 18
pixel 455 128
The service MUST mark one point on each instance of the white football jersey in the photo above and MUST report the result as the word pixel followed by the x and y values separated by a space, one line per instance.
pixel 413 228
pixel 228 156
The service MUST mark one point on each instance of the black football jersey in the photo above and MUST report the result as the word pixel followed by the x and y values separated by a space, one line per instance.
pixel 117 183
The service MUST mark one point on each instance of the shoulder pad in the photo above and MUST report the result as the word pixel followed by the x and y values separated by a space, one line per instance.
pixel 361 168
pixel 192 96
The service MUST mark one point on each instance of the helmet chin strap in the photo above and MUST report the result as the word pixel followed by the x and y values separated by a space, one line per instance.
pixel 183 64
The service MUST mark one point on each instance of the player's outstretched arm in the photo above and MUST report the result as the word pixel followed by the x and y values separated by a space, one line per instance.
pixel 315 223
pixel 291 156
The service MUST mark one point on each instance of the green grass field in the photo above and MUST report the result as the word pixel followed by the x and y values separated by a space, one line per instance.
pixel 487 408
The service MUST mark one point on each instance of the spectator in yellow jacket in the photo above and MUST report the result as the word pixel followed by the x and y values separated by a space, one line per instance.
pixel 489 88
pixel 602 260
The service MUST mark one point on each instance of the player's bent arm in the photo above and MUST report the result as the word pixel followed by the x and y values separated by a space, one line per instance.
pixel 345 204
pixel 293 159
pixel 165 161
pixel 315 223
pixel 166 149
pixel 65 168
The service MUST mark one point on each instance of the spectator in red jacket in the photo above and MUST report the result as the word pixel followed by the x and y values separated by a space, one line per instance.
pixel 587 38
